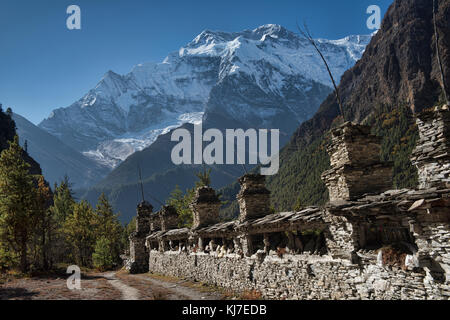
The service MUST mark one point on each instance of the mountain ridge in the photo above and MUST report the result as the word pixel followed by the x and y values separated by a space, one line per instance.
pixel 127 112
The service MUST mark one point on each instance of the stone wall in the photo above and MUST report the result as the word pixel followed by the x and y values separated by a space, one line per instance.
pixel 205 208
pixel 138 260
pixel 432 156
pixel 383 244
pixel 298 277
pixel 253 198
pixel 168 218
pixel 356 167
pixel 347 270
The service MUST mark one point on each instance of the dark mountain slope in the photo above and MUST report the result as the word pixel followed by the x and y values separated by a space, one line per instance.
pixel 398 66
pixel 56 158
pixel 397 76
pixel 7 133
pixel 160 176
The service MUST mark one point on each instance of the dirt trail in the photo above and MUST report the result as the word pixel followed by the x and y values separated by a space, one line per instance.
pixel 128 293
pixel 103 286
pixel 179 290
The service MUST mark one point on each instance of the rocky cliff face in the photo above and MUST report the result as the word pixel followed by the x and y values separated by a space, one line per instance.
pixel 398 66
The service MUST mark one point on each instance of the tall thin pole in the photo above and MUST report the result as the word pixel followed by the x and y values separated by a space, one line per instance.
pixel 140 181
pixel 142 188
pixel 438 53
pixel 307 35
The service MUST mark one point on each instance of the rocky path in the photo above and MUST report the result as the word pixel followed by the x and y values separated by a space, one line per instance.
pixel 178 289
pixel 128 293
pixel 105 286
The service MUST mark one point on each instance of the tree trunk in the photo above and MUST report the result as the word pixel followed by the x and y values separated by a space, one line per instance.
pixel 44 249
pixel 23 255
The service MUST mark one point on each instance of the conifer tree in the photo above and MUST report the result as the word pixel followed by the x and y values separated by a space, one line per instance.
pixel 17 194
pixel 204 178
pixel 63 205
pixel 104 257
pixel 127 231
pixel 9 112
pixel 63 201
pixel 79 229
pixel 181 203
pixel 107 222
pixel 45 223
pixel 108 228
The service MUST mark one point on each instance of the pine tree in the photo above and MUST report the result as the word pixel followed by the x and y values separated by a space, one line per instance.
pixel 45 223
pixel 127 231
pixel 104 257
pixel 108 227
pixel 204 177
pixel 63 206
pixel 107 223
pixel 17 195
pixel 79 229
pixel 63 201
pixel 181 203
pixel 9 112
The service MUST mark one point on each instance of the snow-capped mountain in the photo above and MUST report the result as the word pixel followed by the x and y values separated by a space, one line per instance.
pixel 268 76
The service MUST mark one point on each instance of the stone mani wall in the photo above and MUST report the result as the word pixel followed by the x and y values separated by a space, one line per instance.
pixel 253 198
pixel 347 271
pixel 360 232
pixel 205 207
pixel 138 261
pixel 298 277
pixel 356 167
pixel 168 218
pixel 432 156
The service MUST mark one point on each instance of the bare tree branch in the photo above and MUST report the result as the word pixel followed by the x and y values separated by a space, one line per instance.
pixel 307 35
pixel 438 53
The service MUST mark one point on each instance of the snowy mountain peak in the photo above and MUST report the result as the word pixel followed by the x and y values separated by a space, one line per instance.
pixel 125 113
pixel 281 48
pixel 274 31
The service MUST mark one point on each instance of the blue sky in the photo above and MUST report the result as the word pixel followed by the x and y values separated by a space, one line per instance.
pixel 44 66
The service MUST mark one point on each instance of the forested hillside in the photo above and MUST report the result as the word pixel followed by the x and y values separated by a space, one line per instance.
pixel 41 228
pixel 7 133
